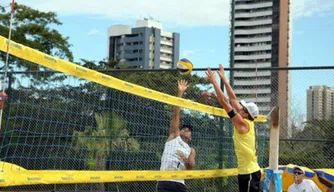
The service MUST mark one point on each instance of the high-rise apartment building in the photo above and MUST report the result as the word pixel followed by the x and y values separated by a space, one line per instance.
pixel 259 33
pixel 146 46
pixel 320 102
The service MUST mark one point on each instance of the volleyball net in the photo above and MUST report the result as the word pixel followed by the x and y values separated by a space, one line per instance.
pixel 66 124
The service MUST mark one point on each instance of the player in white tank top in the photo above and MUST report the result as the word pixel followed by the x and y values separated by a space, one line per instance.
pixel 177 154
pixel 170 160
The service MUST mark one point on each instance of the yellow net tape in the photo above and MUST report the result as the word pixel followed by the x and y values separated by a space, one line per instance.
pixel 13 175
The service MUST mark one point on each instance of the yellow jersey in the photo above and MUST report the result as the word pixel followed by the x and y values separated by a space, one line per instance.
pixel 245 150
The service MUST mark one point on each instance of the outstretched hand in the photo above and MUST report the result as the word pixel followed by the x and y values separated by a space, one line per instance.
pixel 210 75
pixel 182 85
pixel 221 71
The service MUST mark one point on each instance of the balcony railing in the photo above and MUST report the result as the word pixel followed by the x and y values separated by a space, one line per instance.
pixel 252 39
pixel 254 5
pixel 254 14
pixel 253 48
pixel 252 74
pixel 253 22
pixel 253 31
pixel 252 57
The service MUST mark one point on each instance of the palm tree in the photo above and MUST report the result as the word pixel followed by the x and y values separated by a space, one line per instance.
pixel 110 134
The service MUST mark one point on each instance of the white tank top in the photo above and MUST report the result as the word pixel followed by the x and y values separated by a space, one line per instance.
pixel 170 161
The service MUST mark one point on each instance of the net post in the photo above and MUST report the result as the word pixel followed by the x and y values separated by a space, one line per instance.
pixel 276 177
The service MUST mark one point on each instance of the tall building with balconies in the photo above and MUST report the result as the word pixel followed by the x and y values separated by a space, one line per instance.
pixel 145 46
pixel 320 103
pixel 259 34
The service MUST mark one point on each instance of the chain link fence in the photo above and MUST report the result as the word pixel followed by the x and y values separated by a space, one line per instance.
pixel 50 122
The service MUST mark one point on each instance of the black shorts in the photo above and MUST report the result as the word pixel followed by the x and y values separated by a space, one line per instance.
pixel 171 186
pixel 249 182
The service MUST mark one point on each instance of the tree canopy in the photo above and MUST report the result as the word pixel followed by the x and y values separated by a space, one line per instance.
pixel 35 29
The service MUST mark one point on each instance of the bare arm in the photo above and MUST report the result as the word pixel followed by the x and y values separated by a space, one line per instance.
pixel 238 121
pixel 175 123
pixel 229 90
pixel 190 161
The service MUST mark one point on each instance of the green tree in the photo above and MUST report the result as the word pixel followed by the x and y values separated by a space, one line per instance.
pixel 160 81
pixel 323 129
pixel 110 135
pixel 104 64
pixel 33 29
pixel 311 146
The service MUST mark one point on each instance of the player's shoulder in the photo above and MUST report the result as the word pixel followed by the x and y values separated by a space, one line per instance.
pixel 310 184
pixel 308 181
pixel 291 188
pixel 173 139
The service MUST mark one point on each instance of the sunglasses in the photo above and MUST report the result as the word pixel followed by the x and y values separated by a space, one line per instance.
pixel 298 172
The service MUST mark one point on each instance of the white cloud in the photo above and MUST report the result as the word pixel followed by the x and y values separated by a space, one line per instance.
pixel 185 12
pixel 307 8
pixel 94 32
pixel 187 53
pixel 175 12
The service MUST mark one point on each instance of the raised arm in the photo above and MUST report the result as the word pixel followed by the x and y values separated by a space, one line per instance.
pixel 175 123
pixel 229 90
pixel 220 95
pixel 238 121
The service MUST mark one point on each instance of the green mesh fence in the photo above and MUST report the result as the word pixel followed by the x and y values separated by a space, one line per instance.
pixel 53 122
pixel 57 122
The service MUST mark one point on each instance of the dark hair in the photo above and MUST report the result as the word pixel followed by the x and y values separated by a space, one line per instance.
pixel 187 125
pixel 244 108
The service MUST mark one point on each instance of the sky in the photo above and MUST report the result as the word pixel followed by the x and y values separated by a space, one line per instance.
pixel 203 28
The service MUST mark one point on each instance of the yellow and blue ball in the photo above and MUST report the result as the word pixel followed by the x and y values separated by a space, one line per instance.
pixel 185 66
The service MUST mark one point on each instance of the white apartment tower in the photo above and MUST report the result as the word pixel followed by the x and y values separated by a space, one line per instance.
pixel 320 102
pixel 259 34
pixel 145 46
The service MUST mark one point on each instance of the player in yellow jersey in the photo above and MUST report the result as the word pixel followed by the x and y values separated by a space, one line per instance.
pixel 242 115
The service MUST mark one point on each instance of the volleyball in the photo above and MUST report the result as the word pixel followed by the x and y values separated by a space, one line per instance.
pixel 185 66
